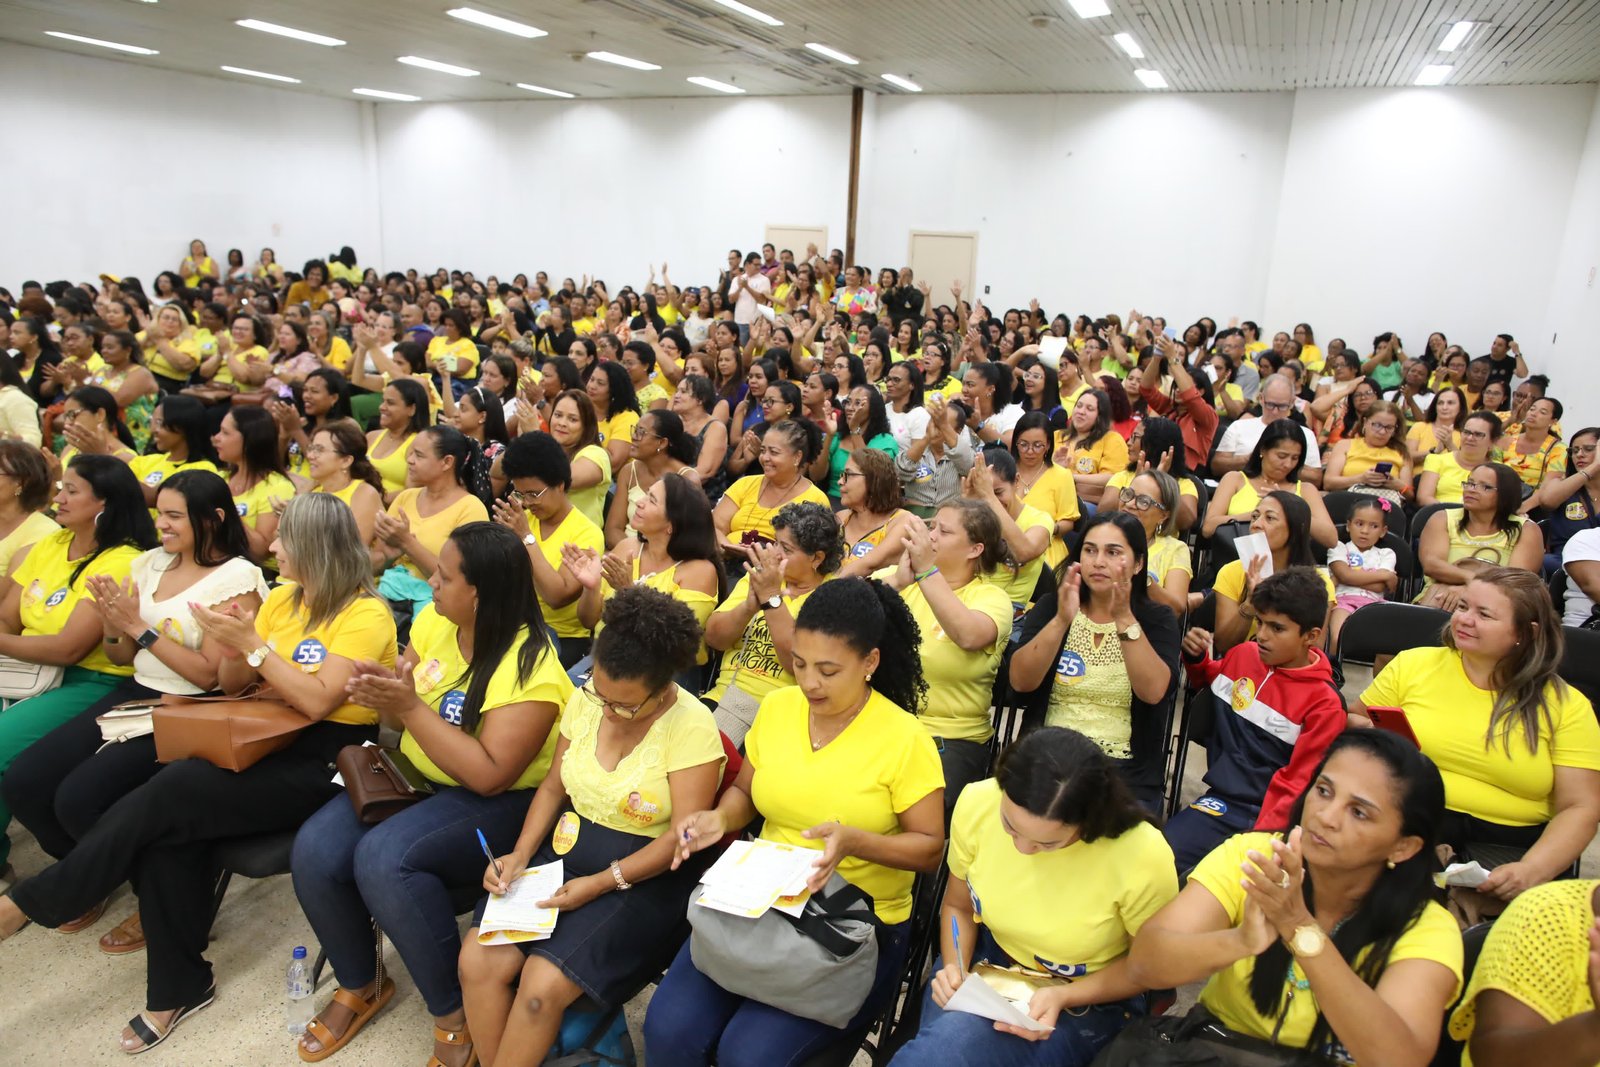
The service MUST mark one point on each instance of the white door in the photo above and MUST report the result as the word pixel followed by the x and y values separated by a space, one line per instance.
pixel 940 258
pixel 796 238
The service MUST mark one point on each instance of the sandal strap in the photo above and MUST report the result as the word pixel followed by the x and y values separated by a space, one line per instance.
pixel 452 1037
pixel 319 1031
pixel 143 1028
pixel 355 1001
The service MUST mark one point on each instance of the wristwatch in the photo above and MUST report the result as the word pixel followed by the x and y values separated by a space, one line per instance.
pixel 1308 941
pixel 1132 633
pixel 529 540
pixel 774 602
pixel 146 639
pixel 258 657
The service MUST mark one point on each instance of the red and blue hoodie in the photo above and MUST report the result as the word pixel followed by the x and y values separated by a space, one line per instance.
pixel 1273 725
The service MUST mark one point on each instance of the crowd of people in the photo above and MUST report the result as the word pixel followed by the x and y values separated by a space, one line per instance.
pixel 624 574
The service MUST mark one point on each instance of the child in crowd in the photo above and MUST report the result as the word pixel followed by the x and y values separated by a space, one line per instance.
pixel 1276 710
pixel 1363 571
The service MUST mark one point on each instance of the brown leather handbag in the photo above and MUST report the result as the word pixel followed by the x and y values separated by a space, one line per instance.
pixel 232 732
pixel 380 781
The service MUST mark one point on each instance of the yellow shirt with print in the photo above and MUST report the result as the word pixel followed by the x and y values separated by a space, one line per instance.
pixel 960 682
pixel 433 531
pixel 440 678
pixel 49 592
pixel 257 501
pixel 1451 718
pixel 882 764
pixel 1019 586
pixel 439 348
pixel 1118 884
pixel 156 467
pixel 1106 456
pixel 578 530
pixel 363 630
pixel 635 797
pixel 1435 936
pixel 619 427
pixel 753 662
pixel 1055 494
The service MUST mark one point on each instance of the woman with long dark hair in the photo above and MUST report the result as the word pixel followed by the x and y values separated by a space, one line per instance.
pixel 616 409
pixel 660 446
pixel 1285 520
pixel 1275 465
pixel 1485 531
pixel 1056 813
pixel 180 439
pixel 127 378
pixel 402 414
pixel 248 443
pixel 324 397
pixel 1332 941
pixel 695 403
pixel 865 424
pixel 840 764
pixel 476 696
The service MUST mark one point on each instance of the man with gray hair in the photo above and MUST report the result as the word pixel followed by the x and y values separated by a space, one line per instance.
pixel 1277 402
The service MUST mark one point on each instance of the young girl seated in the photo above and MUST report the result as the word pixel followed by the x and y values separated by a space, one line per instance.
pixel 1363 571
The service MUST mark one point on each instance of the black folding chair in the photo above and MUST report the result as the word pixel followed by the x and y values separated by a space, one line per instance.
pixel 1205 617
pixel 1420 520
pixel 1385 629
pixel 1202 495
pixel 1449 1050
pixel 1580 663
pixel 1339 504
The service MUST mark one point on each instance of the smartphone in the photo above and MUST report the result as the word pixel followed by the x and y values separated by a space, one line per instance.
pixel 1385 468
pixel 1395 721
pixel 406 771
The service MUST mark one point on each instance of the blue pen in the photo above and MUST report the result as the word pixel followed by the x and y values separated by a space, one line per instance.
pixel 955 940
pixel 497 872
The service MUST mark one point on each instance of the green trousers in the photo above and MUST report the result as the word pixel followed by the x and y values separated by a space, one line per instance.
pixel 27 721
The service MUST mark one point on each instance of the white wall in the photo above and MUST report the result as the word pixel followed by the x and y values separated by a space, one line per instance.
pixel 1091 203
pixel 1572 324
pixel 115 166
pixel 607 187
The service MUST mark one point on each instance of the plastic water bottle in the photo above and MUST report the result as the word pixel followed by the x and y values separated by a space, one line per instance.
pixel 300 1002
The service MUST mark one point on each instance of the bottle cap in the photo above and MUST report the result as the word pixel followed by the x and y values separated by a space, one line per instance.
pixel 299 952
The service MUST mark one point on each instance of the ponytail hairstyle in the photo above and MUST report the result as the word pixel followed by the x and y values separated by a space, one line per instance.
pixel 495 563
pixel 494 413
pixel 982 528
pixel 1001 380
pixel 348 440
pixel 669 427
pixel 1059 774
pixel 94 398
pixel 339 386
pixel 646 635
pixel 125 519
pixel 801 435
pixel 453 444
pixel 866 614
pixel 1399 895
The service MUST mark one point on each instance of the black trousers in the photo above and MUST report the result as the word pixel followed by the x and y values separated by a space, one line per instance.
pixel 60 785
pixel 158 837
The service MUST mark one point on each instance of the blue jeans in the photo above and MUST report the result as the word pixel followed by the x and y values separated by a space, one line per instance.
pixel 413 873
pixel 957 1039
pixel 691 1017
pixel 1197 829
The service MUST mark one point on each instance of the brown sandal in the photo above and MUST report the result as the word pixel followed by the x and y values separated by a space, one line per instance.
pixel 453 1037
pixel 86 920
pixel 127 936
pixel 363 1010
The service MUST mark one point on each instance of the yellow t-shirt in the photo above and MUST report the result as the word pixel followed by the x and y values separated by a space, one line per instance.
pixel 619 427
pixel 363 630
pixel 1451 718
pixel 636 797
pixel 1311 357
pixel 753 661
pixel 1233 392
pixel 1452 476
pixel 1230 583
pixel 49 595
pixel 189 346
pixel 883 764
pixel 1117 884
pixel 1106 456
pixel 1166 554
pixel 960 683
pixel 204 267
pixel 28 532
pixel 666 581
pixel 157 467
pixel 1434 936
pixel 585 327
pixel 339 354
pixel 574 529
pixel 441 681
pixel 439 348
pixel 434 530
pixel 1055 494
pixel 224 375
pixel 750 515
pixel 592 501
pixel 1019 586
pixel 392 467
pixel 1538 952
pixel 257 500
pixel 1421 436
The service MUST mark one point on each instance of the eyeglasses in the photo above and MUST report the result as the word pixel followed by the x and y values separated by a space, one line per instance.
pixel 1582 450
pixel 641 433
pixel 1138 501
pixel 1474 435
pixel 1381 427
pixel 320 450
pixel 768 401
pixel 527 498
pixel 845 476
pixel 1481 487
pixel 1268 405
pixel 1031 446
pixel 621 711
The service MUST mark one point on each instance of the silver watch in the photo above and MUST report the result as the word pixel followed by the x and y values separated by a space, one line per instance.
pixel 258 657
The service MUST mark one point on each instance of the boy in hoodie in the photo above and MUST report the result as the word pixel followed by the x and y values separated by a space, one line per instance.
pixel 1276 709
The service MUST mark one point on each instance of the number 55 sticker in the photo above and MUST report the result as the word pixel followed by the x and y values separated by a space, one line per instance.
pixel 1071 668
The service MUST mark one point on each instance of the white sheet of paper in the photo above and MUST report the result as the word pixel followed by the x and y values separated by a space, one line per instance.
pixel 977 997
pixel 751 876
pixel 1468 875
pixel 516 917
pixel 1252 545
pixel 1050 349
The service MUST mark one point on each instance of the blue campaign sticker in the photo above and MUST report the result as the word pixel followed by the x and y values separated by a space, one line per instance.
pixel 450 707
pixel 243 508
pixel 1062 970
pixel 309 653
pixel 1352 557
pixel 55 598
pixel 1213 806
pixel 1071 665
pixel 154 478
pixel 977 905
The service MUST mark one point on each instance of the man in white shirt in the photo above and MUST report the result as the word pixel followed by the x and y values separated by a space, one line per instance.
pixel 1581 560
pixel 1277 402
pixel 750 291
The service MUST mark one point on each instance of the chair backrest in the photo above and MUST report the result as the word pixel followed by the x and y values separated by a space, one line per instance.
pixel 1420 520
pixel 1202 501
pixel 1449 1050
pixel 1580 663
pixel 1385 629
pixel 1339 502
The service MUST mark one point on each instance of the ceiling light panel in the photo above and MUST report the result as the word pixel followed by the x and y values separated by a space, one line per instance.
pixel 115 46
pixel 434 64
pixel 289 31
pixel 749 12
pixel 905 83
pixel 384 94
pixel 547 92
pixel 623 61
pixel 832 53
pixel 495 22
pixel 712 83
pixel 1453 40
pixel 1126 42
pixel 261 74
pixel 1152 79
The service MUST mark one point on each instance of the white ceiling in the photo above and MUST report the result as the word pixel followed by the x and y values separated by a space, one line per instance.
pixel 948 46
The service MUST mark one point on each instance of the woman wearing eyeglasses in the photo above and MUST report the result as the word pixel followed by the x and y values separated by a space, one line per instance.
pixel 872 519
pixel 865 425
pixel 1570 499
pixel 1152 498
pixel 1356 463
pixel 660 447
pixel 635 752
pixel 339 465
pixel 779 401
pixel 1042 484
pixel 1444 473
pixel 1485 532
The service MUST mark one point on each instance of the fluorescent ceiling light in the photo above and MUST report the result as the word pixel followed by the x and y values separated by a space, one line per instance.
pixel 1126 42
pixel 712 83
pixel 831 53
pixel 622 61
pixel 289 31
pixel 1457 34
pixel 746 9
pixel 434 64
pixel 905 83
pixel 1089 9
pixel 133 48
pixel 384 94
pixel 495 22
pixel 1152 78
pixel 547 92
pixel 261 74
pixel 1434 74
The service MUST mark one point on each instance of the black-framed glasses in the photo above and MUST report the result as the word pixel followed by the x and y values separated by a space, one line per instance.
pixel 621 711
pixel 1138 501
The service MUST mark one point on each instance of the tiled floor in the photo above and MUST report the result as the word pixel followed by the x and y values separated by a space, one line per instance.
pixel 64 1002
